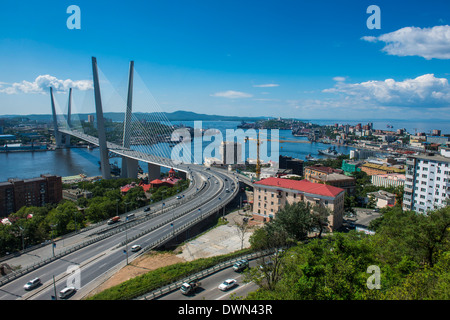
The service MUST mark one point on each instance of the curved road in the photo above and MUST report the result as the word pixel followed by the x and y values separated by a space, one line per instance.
pixel 100 258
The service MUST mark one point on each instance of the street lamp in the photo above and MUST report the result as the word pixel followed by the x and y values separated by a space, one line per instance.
pixel 53 244
pixel 126 230
pixel 126 237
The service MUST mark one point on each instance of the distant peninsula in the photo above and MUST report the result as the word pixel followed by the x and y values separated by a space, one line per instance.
pixel 170 116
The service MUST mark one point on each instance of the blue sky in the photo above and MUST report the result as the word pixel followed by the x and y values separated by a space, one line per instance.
pixel 288 58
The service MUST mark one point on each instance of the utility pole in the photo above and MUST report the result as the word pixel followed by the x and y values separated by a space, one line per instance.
pixel 54 288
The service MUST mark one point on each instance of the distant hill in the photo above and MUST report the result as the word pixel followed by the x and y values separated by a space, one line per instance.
pixel 119 116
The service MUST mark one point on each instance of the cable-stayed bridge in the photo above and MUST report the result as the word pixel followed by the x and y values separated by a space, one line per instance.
pixel 136 140
pixel 98 252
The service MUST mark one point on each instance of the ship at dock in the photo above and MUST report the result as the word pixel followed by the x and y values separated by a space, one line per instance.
pixel 309 157
pixel 330 152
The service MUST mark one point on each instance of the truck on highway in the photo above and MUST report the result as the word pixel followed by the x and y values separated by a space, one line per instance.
pixel 113 220
pixel 189 287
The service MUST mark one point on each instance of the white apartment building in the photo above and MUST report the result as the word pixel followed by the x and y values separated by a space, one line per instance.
pixel 427 185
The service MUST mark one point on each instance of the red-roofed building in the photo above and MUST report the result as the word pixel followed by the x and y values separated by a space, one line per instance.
pixel 272 194
pixel 127 187
pixel 170 181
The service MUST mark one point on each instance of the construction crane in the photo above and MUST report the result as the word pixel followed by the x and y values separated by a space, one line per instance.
pixel 258 143
pixel 258 162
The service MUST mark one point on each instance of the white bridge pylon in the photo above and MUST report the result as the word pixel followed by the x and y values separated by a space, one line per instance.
pixel 130 157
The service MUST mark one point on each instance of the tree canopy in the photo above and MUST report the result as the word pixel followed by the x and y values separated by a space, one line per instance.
pixel 411 251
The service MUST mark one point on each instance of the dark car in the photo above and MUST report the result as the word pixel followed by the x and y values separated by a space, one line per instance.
pixel 240 265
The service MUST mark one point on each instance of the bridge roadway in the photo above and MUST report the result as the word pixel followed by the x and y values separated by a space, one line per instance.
pixel 100 259
pixel 129 153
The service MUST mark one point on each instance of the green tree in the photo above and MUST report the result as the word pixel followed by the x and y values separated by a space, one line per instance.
pixel 319 215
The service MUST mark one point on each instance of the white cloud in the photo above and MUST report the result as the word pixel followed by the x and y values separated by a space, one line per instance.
pixel 267 85
pixel 339 79
pixel 230 94
pixel 423 91
pixel 43 82
pixel 428 43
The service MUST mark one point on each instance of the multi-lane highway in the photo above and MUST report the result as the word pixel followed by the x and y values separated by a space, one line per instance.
pixel 89 264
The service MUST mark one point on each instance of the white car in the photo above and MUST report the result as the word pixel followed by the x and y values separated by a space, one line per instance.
pixel 32 284
pixel 228 284
pixel 66 292
pixel 135 248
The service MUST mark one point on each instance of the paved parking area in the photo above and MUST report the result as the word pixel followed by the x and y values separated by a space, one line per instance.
pixel 220 240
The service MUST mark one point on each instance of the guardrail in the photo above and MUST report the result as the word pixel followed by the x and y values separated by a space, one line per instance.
pixel 12 276
pixel 199 275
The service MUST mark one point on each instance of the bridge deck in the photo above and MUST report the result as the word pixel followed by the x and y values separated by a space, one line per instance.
pixel 129 153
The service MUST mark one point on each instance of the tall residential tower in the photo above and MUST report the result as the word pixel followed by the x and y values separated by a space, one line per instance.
pixel 427 185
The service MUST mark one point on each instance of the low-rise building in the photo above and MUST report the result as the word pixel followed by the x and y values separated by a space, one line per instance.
pixel 374 169
pixel 382 198
pixel 272 194
pixel 296 165
pixel 75 194
pixel 361 154
pixel 388 180
pixel 337 180
pixel 350 167
pixel 318 170
pixel 330 176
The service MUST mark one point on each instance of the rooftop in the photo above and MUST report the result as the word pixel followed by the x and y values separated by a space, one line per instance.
pixel 381 194
pixel 431 157
pixel 302 185
pixel 335 177
pixel 323 169
pixel 392 176
pixel 381 167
